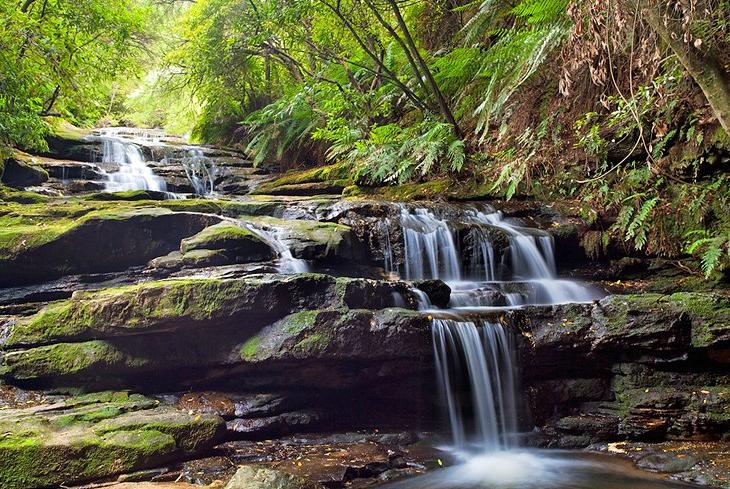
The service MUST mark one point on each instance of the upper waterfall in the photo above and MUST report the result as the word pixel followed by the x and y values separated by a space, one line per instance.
pixel 507 264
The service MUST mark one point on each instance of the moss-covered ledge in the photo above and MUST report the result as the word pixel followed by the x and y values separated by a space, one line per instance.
pixel 171 304
pixel 96 436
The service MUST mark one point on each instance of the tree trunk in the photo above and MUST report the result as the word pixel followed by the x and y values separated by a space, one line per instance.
pixel 443 104
pixel 702 66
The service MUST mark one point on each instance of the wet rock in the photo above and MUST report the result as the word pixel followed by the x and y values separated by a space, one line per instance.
pixel 207 471
pixel 314 240
pixel 98 242
pixel 655 363
pixel 303 189
pixel 275 426
pixel 256 477
pixel 437 291
pixel 322 349
pixel 95 436
pixel 237 242
pixel 18 173
pixel 376 294
pixel 173 304
pixel 666 462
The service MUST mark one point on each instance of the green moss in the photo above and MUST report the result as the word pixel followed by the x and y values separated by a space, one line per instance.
pixel 337 174
pixel 76 444
pixel 298 322
pixel 313 343
pixel 61 359
pixel 128 195
pixel 710 315
pixel 222 236
pixel 105 412
pixel 21 196
pixel 250 349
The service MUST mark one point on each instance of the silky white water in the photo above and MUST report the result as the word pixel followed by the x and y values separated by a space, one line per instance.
pixel 508 265
pixel 133 172
pixel 523 273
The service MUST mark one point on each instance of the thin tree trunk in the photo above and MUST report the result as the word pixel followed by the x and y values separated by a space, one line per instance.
pixel 402 44
pixel 406 91
pixel 443 104
pixel 703 67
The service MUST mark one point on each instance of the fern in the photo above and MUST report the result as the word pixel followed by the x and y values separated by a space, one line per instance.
pixel 713 250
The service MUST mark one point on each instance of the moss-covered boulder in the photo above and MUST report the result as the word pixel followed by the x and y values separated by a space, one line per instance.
pixel 96 436
pixel 129 195
pixel 258 477
pixel 342 334
pixel 19 173
pixel 169 305
pixel 315 240
pixel 36 246
pixel 238 243
pixel 320 349
pixel 653 326
pixel 325 180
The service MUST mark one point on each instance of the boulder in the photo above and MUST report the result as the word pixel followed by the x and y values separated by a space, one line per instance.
pixel 189 332
pixel 99 241
pixel 239 243
pixel 96 436
pixel 257 477
pixel 18 173
pixel 314 240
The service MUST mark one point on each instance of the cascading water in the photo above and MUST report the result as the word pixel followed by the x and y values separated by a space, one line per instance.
pixel 133 172
pixel 483 354
pixel 508 265
pixel 523 273
pixel 200 170
pixel 475 358
pixel 287 262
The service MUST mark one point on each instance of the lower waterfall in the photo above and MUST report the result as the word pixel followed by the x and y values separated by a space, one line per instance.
pixel 483 353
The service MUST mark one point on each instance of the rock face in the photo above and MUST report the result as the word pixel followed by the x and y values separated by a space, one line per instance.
pixel 17 173
pixel 653 367
pixel 199 330
pixel 95 436
pixel 96 242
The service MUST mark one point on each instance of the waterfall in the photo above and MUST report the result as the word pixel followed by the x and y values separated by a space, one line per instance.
pixel 523 273
pixel 133 172
pixel 287 262
pixel 200 170
pixel 489 262
pixel 482 353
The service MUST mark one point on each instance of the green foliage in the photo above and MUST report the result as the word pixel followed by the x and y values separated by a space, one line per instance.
pixel 58 57
pixel 392 154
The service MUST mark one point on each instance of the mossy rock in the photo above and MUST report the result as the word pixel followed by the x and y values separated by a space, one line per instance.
pixel 258 477
pixel 42 447
pixel 44 243
pixel 18 173
pixel 710 316
pixel 314 240
pixel 331 179
pixel 129 195
pixel 172 304
pixel 236 241
pixel 8 194
pixel 341 334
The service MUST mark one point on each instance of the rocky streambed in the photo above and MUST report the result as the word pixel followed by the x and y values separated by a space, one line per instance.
pixel 284 336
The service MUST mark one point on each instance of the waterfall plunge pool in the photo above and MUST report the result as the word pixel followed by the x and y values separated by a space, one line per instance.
pixel 538 469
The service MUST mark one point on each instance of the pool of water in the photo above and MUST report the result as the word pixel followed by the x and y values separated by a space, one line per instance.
pixel 539 469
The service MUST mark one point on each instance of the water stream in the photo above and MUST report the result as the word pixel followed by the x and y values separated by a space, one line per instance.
pixel 508 265
pixel 133 172
pixel 124 147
